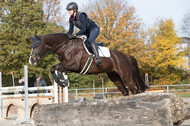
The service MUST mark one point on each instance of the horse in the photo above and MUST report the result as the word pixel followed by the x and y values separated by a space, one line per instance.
pixel 122 69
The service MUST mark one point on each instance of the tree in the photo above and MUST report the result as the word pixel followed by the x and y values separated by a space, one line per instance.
pixel 186 24
pixel 165 58
pixel 20 19
pixel 52 11
pixel 120 28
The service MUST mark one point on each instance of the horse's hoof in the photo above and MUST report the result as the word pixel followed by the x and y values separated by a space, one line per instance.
pixel 126 94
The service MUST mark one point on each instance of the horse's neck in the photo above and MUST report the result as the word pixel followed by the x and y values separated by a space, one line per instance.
pixel 77 43
pixel 53 41
pixel 72 45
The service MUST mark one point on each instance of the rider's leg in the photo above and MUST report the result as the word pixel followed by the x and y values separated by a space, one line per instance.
pixel 95 51
pixel 94 32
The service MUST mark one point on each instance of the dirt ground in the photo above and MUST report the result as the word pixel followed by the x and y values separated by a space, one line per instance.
pixel 186 122
pixel 5 122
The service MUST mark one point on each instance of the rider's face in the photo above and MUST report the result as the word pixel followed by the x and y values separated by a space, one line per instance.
pixel 70 12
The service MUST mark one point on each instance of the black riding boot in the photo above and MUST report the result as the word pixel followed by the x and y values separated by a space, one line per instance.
pixel 98 61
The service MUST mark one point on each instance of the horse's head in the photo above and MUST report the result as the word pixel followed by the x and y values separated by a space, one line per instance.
pixel 37 50
pixel 50 42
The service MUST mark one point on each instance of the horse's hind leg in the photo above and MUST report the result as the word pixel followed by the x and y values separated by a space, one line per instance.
pixel 115 78
pixel 127 80
pixel 130 86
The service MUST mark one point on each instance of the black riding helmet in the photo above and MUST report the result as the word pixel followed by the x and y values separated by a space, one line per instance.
pixel 72 6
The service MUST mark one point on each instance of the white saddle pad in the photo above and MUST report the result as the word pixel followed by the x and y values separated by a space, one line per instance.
pixel 103 51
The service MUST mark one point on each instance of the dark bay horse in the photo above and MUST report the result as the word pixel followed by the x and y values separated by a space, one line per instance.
pixel 122 69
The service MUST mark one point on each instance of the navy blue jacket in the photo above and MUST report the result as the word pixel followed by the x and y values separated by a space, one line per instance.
pixel 81 21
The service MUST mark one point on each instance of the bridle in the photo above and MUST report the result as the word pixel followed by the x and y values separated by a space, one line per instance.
pixel 40 53
pixel 35 45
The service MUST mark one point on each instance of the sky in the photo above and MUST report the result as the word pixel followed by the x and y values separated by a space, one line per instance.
pixel 151 10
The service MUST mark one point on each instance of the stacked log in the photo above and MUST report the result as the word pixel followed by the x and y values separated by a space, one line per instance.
pixel 145 109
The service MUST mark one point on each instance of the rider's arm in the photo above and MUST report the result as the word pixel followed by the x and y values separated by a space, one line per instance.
pixel 82 19
pixel 71 27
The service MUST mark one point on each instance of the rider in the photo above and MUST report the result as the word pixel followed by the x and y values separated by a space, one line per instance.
pixel 87 27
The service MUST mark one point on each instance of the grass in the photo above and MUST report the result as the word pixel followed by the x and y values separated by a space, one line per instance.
pixel 184 95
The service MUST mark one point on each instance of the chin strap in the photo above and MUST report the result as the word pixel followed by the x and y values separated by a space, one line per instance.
pixel 74 12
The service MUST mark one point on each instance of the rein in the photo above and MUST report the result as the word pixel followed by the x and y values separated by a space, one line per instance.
pixel 59 45
pixel 50 51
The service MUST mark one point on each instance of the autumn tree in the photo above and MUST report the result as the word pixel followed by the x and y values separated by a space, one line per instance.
pixel 18 20
pixel 52 11
pixel 165 60
pixel 119 26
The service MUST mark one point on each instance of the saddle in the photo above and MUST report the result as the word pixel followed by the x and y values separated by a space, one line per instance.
pixel 89 48
pixel 103 51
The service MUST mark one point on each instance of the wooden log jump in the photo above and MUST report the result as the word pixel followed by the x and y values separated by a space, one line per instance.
pixel 148 109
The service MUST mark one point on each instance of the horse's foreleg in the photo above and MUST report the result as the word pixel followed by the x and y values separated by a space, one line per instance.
pixel 56 72
pixel 54 75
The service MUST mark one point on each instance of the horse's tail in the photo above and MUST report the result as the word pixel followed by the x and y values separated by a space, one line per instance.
pixel 137 79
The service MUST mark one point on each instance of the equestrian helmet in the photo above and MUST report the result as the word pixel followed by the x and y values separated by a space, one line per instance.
pixel 72 6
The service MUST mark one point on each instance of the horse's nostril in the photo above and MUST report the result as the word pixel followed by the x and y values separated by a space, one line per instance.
pixel 35 64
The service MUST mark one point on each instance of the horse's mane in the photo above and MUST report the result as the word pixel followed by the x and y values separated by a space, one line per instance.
pixel 58 37
pixel 55 34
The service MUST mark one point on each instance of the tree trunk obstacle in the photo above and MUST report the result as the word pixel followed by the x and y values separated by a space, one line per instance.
pixel 146 109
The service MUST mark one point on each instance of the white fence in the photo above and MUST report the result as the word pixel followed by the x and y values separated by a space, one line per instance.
pixel 18 89
pixel 25 88
pixel 105 90
pixel 168 87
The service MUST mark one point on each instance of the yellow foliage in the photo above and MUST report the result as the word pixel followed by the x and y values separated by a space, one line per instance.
pixel 165 46
pixel 167 80
pixel 119 28
pixel 164 53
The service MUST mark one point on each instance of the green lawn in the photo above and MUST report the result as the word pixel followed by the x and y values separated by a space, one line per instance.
pixel 184 95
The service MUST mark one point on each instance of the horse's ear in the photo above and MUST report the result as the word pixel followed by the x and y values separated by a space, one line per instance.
pixel 38 37
pixel 32 37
